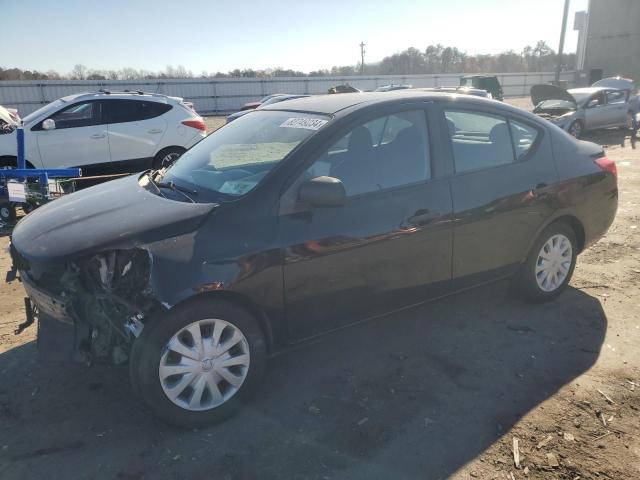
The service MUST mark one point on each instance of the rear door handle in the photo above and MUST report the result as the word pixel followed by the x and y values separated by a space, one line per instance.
pixel 155 130
pixel 98 135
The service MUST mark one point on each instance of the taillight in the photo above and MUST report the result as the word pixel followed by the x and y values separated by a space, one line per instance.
pixel 607 165
pixel 197 124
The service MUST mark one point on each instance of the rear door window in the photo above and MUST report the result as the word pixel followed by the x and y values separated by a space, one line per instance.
pixel 122 111
pixel 479 140
pixel 524 137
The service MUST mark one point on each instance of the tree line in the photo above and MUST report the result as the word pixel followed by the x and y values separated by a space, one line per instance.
pixel 432 60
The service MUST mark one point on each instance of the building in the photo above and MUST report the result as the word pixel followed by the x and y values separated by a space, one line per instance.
pixel 612 34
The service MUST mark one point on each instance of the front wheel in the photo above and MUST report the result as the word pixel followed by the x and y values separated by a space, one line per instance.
pixel 196 365
pixel 550 264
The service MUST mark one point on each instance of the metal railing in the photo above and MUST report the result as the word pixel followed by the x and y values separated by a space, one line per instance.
pixel 224 95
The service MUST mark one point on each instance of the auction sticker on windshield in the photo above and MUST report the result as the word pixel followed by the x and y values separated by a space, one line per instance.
pixel 304 122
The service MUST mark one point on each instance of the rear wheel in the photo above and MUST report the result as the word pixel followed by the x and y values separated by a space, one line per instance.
pixel 7 212
pixel 576 128
pixel 198 364
pixel 550 264
pixel 166 157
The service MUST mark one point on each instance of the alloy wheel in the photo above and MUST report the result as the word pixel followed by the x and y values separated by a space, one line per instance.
pixel 169 158
pixel 204 364
pixel 554 263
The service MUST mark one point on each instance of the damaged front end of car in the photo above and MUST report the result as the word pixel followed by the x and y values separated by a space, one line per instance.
pixel 105 298
pixel 88 260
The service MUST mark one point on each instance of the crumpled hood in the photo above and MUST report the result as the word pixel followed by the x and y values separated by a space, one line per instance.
pixel 542 92
pixel 116 214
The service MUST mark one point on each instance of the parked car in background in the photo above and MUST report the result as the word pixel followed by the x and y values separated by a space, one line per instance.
pixel 391 87
pixel 270 101
pixel 11 113
pixel 461 90
pixel 344 88
pixel 252 105
pixel 106 132
pixel 303 217
pixel 9 119
pixel 489 83
pixel 626 84
pixel 580 109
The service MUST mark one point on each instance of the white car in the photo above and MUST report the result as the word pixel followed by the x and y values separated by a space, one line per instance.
pixel 106 132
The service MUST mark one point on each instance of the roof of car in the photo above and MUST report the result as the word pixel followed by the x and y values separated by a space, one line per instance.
pixel 587 89
pixel 333 103
pixel 119 95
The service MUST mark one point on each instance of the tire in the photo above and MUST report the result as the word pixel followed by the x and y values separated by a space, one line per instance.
pixel 166 157
pixel 531 278
pixel 7 213
pixel 576 129
pixel 8 162
pixel 151 361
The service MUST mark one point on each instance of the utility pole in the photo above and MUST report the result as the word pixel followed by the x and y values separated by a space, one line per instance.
pixel 361 58
pixel 562 34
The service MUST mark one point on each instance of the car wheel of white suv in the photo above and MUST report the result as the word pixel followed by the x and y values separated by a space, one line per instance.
pixel 166 157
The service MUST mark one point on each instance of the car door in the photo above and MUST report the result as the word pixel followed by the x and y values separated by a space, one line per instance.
pixel 597 114
pixel 79 138
pixel 388 247
pixel 502 170
pixel 617 107
pixel 135 128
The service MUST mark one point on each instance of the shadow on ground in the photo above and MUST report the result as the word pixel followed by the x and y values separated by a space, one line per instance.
pixel 413 395
pixel 613 136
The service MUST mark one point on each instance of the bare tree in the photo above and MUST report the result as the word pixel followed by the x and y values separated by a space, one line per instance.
pixel 79 72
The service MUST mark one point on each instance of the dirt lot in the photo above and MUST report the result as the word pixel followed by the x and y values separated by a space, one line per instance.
pixel 440 391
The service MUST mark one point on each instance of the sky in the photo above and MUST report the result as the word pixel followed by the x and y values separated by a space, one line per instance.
pixel 213 35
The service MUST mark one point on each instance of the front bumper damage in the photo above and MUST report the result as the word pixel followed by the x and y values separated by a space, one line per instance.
pixel 104 299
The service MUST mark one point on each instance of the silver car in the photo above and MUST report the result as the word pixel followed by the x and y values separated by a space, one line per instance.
pixel 580 109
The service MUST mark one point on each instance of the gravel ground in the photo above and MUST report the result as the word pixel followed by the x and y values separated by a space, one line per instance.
pixel 440 391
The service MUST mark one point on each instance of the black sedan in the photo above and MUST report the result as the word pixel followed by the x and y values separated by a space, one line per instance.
pixel 301 218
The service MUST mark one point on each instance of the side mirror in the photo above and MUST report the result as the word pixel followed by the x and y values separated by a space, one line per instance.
pixel 323 192
pixel 49 124
pixel 592 103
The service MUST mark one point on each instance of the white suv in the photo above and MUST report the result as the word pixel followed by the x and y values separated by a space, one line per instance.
pixel 106 132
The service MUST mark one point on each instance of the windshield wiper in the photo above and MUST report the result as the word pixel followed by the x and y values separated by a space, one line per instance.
pixel 152 182
pixel 172 186
pixel 177 188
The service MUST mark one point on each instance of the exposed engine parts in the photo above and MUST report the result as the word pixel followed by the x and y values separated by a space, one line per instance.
pixel 107 296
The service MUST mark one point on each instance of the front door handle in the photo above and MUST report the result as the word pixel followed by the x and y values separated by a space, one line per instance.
pixel 155 130
pixel 98 135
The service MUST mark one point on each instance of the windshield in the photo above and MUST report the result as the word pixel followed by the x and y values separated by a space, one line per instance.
pixel 580 97
pixel 556 104
pixel 234 159
pixel 50 106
